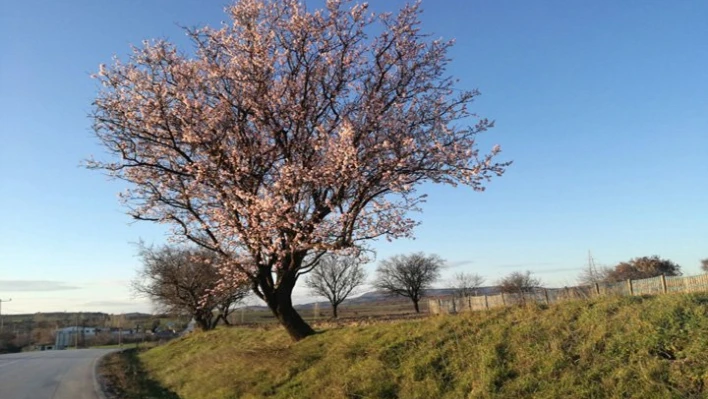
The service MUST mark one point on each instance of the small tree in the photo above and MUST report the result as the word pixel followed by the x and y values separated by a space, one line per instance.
pixel 408 275
pixel 704 265
pixel 593 274
pixel 335 277
pixel 643 267
pixel 9 343
pixel 184 281
pixel 466 284
pixel 519 283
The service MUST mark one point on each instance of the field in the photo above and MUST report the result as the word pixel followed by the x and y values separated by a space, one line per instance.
pixel 628 347
pixel 383 309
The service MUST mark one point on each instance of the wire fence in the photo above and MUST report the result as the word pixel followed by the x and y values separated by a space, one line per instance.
pixel 649 286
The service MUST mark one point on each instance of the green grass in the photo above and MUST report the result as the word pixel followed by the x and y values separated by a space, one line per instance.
pixel 631 347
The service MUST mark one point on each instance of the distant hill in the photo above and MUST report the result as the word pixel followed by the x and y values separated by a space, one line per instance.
pixel 138 315
pixel 73 315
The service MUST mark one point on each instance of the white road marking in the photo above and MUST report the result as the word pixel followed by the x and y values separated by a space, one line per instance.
pixel 7 364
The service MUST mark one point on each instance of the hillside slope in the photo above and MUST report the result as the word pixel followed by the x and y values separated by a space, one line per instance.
pixel 631 347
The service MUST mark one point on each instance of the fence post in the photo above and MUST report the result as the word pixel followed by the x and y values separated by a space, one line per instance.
pixel 454 305
pixel 486 303
pixel 629 286
pixel 663 284
pixel 469 302
pixel 597 289
pixel 545 293
pixel 503 300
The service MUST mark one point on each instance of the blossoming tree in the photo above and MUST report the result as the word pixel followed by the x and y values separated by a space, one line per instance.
pixel 286 134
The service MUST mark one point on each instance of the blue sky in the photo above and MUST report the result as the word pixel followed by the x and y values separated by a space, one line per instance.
pixel 602 106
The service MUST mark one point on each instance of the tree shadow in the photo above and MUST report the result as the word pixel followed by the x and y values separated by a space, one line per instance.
pixel 125 377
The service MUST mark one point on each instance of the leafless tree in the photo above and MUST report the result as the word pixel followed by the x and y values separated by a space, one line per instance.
pixel 466 284
pixel 335 278
pixel 409 275
pixel 184 280
pixel 519 283
pixel 593 274
pixel 643 267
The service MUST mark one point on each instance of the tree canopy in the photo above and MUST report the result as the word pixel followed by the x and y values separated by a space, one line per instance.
pixel 288 133
pixel 466 284
pixel 335 278
pixel 519 283
pixel 183 280
pixel 643 267
pixel 409 275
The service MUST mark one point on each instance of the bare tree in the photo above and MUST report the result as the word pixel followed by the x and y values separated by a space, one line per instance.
pixel 335 278
pixel 593 274
pixel 643 267
pixel 409 275
pixel 289 133
pixel 519 283
pixel 704 265
pixel 184 280
pixel 466 284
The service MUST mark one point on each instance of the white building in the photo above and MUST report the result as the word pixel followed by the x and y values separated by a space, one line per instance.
pixel 69 336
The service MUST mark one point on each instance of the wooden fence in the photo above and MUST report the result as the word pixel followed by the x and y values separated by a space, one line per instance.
pixel 649 286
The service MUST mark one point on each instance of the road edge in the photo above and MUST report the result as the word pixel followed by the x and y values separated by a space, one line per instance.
pixel 97 387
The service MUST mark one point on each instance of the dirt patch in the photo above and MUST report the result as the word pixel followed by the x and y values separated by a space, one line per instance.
pixel 122 376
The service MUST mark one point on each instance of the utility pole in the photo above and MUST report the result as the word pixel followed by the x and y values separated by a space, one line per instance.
pixel 591 261
pixel 2 323
pixel 120 331
pixel 76 332
pixel 595 275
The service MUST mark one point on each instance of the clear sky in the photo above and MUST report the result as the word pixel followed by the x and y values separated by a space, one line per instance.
pixel 602 106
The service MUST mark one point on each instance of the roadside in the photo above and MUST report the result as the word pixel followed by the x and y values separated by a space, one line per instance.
pixel 121 376
pixel 633 347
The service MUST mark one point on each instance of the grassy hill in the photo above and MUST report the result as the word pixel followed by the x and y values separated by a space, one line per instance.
pixel 630 347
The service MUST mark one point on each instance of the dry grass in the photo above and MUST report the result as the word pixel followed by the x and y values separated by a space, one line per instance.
pixel 123 377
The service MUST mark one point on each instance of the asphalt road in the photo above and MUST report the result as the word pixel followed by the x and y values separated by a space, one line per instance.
pixel 65 374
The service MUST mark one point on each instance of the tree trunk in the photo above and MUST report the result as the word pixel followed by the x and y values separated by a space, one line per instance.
pixel 334 310
pixel 279 301
pixel 220 317
pixel 203 323
pixel 224 313
pixel 415 305
pixel 296 327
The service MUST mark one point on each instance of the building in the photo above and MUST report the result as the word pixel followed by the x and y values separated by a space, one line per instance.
pixel 87 336
pixel 72 336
